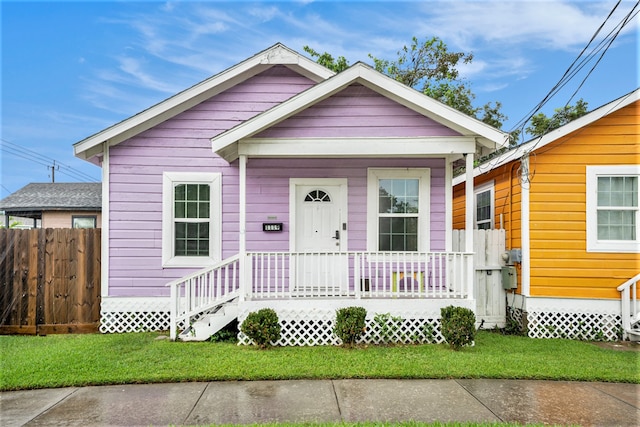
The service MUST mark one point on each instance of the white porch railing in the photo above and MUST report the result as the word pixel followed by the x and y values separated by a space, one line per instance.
pixel 201 291
pixel 359 275
pixel 282 275
pixel 629 303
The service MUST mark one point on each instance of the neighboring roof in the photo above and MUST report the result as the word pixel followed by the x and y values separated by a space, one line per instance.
pixel 541 141
pixel 360 73
pixel 278 54
pixel 38 197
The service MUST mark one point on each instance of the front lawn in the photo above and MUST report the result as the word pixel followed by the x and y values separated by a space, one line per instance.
pixel 80 360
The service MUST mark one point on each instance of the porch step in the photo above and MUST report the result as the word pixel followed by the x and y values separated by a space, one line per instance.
pixel 211 323
pixel 635 321
pixel 634 335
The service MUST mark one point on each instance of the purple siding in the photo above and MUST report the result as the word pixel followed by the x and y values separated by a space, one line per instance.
pixel 182 143
pixel 357 111
pixel 268 196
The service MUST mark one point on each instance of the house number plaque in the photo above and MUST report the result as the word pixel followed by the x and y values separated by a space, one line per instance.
pixel 272 227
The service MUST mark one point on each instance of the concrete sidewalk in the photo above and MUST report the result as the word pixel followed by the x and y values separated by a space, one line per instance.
pixel 516 401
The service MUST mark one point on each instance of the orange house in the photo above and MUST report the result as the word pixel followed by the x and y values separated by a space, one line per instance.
pixel 568 202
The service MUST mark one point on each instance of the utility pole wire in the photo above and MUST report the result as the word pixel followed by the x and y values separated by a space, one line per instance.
pixel 53 171
pixel 43 160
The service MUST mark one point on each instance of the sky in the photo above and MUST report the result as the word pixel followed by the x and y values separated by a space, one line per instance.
pixel 71 69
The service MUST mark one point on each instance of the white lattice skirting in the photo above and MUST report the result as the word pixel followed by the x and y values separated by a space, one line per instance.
pixel 307 328
pixel 577 325
pixel 118 315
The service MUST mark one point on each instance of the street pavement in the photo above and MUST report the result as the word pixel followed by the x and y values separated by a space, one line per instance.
pixel 332 401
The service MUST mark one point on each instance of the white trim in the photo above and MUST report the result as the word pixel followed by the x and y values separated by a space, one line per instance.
pixel 613 246
pixel 361 147
pixel 539 142
pixel 572 304
pixel 525 228
pixel 277 54
pixel 363 74
pixel 106 210
pixel 424 203
pixel 479 189
pixel 342 203
pixel 135 304
pixel 408 306
pixel 214 180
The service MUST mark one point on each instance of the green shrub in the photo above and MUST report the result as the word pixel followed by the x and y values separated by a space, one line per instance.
pixel 227 334
pixel 458 326
pixel 349 325
pixel 262 327
pixel 388 327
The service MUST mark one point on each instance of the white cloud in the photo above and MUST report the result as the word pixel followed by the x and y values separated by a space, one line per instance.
pixel 534 24
pixel 264 14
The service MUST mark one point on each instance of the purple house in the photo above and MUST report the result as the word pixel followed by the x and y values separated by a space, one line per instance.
pixel 278 183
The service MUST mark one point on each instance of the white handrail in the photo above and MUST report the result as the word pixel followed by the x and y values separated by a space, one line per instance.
pixel 630 282
pixel 202 290
pixel 629 302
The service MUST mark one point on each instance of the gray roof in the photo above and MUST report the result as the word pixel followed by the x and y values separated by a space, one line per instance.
pixel 54 196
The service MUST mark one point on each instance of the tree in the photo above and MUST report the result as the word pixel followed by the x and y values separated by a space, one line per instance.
pixel 337 65
pixel 431 68
pixel 541 124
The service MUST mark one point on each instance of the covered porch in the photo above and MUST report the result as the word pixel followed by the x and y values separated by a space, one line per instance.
pixel 390 282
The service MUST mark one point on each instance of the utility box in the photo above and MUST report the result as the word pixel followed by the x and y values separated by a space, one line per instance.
pixel 512 256
pixel 509 278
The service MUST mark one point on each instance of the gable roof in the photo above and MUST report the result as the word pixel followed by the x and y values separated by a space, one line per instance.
pixel 225 144
pixel 541 141
pixel 36 197
pixel 277 54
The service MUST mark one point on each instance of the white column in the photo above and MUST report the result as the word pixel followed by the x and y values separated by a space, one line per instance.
pixel 469 203
pixel 468 234
pixel 448 203
pixel 242 223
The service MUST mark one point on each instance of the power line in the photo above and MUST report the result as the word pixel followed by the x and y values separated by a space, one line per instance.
pixel 571 72
pixel 25 153
pixel 569 75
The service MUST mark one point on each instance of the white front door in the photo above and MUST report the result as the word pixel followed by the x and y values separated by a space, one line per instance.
pixel 319 234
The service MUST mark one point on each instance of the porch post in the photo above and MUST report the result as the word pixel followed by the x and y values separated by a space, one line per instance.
pixel 469 203
pixel 242 223
pixel 469 224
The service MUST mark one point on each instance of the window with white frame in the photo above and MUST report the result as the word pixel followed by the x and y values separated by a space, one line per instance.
pixel 612 208
pixel 191 219
pixel 398 209
pixel 483 206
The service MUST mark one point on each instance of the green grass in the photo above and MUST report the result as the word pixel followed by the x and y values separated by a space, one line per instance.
pixel 80 360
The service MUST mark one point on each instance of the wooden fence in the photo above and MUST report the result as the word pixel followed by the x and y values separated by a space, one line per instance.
pixel 49 281
pixel 488 246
